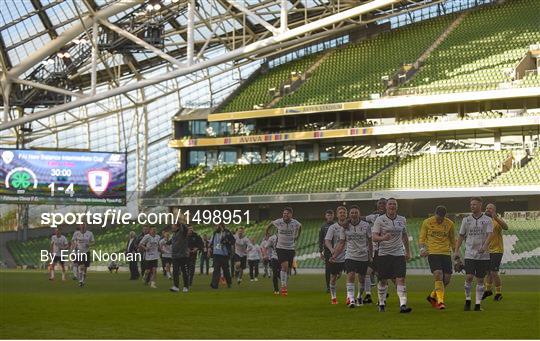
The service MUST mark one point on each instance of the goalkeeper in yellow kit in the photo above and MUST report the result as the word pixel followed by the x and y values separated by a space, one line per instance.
pixel 436 242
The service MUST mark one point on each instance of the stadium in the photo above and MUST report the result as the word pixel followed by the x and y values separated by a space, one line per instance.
pixel 133 127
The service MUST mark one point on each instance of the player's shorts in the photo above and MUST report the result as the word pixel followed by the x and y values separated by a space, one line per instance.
pixel 495 261
pixel 476 267
pixel 440 262
pixel 285 255
pixel 152 263
pixel 166 260
pixel 242 260
pixel 57 259
pixel 83 260
pixel 336 268
pixel 356 266
pixel 389 267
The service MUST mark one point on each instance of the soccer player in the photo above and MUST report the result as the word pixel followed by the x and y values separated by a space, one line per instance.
pixel 390 230
pixel 337 260
pixel 372 268
pixel 476 230
pixel 150 245
pixel 58 243
pixel 356 236
pixel 166 253
pixel 254 255
pixel 288 231
pixel 144 232
pixel 265 258
pixel 274 263
pixel 81 242
pixel 496 249
pixel 436 242
pixel 323 250
pixel 240 254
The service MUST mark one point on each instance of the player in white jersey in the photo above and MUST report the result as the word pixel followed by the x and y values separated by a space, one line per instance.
pixel 265 259
pixel 369 279
pixel 81 242
pixel 331 241
pixel 355 238
pixel 390 230
pixel 150 245
pixel 274 263
pixel 166 253
pixel 254 255
pixel 288 232
pixel 476 230
pixel 240 254
pixel 58 243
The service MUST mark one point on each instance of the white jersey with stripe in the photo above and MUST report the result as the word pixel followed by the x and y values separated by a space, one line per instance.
pixel 475 231
pixel 152 246
pixel 356 238
pixel 59 244
pixel 165 249
pixel 396 228
pixel 241 245
pixel 333 234
pixel 253 252
pixel 82 241
pixel 287 233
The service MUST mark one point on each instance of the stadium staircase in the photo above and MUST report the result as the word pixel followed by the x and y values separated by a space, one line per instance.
pixel 404 75
pixel 482 52
pixel 527 173
pixel 303 78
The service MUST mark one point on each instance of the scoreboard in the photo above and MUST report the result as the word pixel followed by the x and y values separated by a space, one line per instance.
pixel 62 177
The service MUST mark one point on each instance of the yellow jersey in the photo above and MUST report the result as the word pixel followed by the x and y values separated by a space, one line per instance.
pixel 496 244
pixel 438 238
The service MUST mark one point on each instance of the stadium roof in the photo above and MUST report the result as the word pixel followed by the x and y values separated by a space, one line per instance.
pixel 68 84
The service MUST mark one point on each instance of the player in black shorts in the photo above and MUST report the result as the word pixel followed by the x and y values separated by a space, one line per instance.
pixel 325 254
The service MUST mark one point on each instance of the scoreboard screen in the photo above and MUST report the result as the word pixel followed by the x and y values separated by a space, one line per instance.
pixel 62 177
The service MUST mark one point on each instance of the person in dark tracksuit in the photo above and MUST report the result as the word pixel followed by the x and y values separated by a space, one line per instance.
pixel 180 256
pixel 195 243
pixel 325 254
pixel 221 250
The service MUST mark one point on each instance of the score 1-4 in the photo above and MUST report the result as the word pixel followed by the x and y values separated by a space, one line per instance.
pixel 68 190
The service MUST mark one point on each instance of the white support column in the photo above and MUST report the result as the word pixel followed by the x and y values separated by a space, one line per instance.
pixel 93 75
pixel 283 22
pixel 190 30
pixel 497 144
pixel 5 94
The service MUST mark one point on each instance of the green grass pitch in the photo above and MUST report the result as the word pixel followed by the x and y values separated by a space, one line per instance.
pixel 112 307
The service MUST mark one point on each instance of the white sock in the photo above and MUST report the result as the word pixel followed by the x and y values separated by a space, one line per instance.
pixel 402 294
pixel 479 293
pixel 467 291
pixel 350 291
pixel 367 284
pixel 333 291
pixel 52 273
pixel 381 291
pixel 283 278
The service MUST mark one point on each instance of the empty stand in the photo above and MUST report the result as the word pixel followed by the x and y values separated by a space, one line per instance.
pixel 482 51
pixel 441 170
pixel 228 180
pixel 320 176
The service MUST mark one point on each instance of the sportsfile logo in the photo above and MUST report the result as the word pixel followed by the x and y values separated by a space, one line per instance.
pixel 109 217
